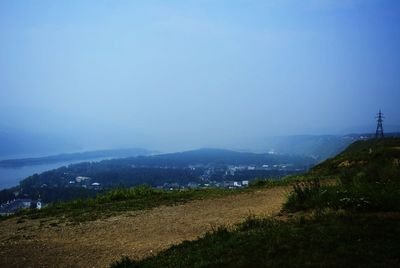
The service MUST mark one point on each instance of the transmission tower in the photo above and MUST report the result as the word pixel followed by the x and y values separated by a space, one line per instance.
pixel 379 127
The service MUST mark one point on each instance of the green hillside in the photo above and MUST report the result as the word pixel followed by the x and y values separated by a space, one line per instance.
pixel 375 159
pixel 350 220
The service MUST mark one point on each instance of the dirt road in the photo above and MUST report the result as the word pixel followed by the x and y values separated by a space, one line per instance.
pixel 44 243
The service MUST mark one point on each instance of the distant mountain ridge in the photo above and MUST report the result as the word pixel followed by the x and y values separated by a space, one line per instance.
pixel 206 156
pixel 114 153
pixel 318 147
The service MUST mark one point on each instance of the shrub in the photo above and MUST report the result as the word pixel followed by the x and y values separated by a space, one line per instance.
pixel 356 196
pixel 125 262
pixel 305 195
pixel 257 183
pixel 121 194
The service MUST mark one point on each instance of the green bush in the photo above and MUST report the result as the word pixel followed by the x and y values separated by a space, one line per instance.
pixel 120 194
pixel 305 195
pixel 354 196
pixel 125 262
pixel 265 183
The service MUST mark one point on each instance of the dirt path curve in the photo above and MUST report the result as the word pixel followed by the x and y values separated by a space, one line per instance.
pixel 36 243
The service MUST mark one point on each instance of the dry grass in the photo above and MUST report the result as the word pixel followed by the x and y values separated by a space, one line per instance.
pixel 48 243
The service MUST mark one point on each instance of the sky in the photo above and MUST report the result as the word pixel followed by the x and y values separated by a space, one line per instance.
pixel 173 75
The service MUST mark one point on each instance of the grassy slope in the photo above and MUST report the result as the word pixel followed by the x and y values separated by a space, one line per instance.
pixel 377 158
pixel 368 175
pixel 357 222
pixel 118 201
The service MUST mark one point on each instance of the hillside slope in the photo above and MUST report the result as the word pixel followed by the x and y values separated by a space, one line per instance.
pixel 379 156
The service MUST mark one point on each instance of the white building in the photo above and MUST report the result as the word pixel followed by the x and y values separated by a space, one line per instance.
pixel 237 184
pixel 81 179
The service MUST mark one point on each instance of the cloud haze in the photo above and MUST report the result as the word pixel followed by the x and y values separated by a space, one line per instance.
pixel 184 74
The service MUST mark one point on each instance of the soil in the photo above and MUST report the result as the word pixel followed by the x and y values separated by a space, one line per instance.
pixel 48 243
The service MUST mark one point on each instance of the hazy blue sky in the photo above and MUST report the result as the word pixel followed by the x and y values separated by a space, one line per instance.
pixel 182 74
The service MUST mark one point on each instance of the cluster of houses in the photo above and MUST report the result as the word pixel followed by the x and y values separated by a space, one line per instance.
pixel 208 184
pixel 232 169
pixel 15 205
pixel 85 182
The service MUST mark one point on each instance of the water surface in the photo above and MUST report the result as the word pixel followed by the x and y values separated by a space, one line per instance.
pixel 10 177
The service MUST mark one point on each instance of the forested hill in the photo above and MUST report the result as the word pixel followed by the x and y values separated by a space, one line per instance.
pixel 207 167
pixel 208 156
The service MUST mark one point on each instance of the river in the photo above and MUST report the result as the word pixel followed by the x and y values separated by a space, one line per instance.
pixel 10 177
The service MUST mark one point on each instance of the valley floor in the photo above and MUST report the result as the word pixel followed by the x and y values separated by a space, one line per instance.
pixel 49 243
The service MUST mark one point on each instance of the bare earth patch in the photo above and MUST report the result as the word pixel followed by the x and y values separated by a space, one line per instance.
pixel 45 243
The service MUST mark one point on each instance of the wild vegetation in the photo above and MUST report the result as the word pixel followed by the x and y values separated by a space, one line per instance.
pixel 368 179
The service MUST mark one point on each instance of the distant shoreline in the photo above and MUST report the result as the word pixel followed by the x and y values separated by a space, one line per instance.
pixel 10 176
pixel 83 156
